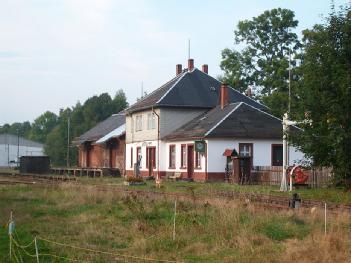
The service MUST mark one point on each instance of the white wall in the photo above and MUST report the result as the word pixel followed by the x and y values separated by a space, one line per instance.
pixel 143 146
pixel 164 155
pixel 262 152
pixel 9 152
pixel 145 134
pixel 178 157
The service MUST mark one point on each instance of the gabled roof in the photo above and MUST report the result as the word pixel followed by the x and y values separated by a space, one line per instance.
pixel 11 139
pixel 113 134
pixel 236 120
pixel 102 128
pixel 190 89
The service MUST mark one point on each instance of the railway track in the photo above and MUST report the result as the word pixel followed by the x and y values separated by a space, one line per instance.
pixel 272 201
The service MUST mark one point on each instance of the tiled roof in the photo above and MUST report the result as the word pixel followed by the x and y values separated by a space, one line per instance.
pixel 190 89
pixel 102 128
pixel 236 120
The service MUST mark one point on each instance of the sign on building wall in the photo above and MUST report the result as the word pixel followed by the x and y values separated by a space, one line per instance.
pixel 200 146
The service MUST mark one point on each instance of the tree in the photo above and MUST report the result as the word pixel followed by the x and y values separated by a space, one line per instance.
pixel 263 62
pixel 82 118
pixel 42 126
pixel 22 129
pixel 325 95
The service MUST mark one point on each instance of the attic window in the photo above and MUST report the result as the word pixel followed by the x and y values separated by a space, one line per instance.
pixel 212 88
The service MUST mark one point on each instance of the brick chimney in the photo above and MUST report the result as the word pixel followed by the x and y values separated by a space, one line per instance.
pixel 178 69
pixel 249 92
pixel 224 95
pixel 190 64
pixel 205 68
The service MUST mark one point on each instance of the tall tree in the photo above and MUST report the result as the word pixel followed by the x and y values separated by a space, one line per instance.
pixel 82 118
pixel 263 62
pixel 325 95
pixel 42 126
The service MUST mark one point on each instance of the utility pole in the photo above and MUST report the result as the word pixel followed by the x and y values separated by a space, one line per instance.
pixel 17 147
pixel 8 150
pixel 68 128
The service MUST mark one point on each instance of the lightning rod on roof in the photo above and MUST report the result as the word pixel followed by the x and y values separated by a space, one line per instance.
pixel 188 48
pixel 142 90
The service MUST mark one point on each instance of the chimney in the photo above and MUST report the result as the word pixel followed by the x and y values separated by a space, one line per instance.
pixel 249 92
pixel 205 68
pixel 178 69
pixel 190 64
pixel 224 95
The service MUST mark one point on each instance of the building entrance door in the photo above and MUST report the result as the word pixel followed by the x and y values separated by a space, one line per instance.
pixel 190 163
pixel 151 159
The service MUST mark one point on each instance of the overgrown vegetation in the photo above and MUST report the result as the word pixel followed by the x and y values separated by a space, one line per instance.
pixel 51 129
pixel 206 230
pixel 320 79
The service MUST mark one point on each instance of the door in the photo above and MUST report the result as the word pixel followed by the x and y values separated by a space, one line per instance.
pixel 190 163
pixel 112 153
pixel 151 159
pixel 87 156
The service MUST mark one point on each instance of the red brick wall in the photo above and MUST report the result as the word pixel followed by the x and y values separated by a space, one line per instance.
pixel 99 155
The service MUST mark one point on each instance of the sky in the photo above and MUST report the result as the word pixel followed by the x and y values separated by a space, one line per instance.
pixel 54 53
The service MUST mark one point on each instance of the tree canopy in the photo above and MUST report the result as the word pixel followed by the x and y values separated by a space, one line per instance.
pixel 263 62
pixel 52 129
pixel 325 95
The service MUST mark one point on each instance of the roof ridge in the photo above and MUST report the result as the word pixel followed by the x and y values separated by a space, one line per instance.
pixel 223 119
pixel 231 87
pixel 148 95
pixel 175 83
pixel 263 111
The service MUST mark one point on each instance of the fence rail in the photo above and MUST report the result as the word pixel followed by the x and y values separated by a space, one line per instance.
pixel 272 175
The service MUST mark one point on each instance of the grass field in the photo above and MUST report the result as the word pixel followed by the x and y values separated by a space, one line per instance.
pixel 206 230
pixel 329 195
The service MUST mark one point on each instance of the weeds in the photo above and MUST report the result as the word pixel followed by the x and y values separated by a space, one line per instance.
pixel 206 230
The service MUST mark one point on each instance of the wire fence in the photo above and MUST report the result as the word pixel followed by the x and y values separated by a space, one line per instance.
pixel 18 250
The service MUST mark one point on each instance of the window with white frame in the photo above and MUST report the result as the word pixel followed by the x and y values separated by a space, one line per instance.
pixel 151 121
pixel 138 123
pixel 245 149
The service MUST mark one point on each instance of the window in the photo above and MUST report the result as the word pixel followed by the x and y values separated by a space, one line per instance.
pixel 172 156
pixel 138 123
pixel 139 157
pixel 277 154
pixel 151 121
pixel 246 149
pixel 183 156
pixel 197 159
pixel 131 157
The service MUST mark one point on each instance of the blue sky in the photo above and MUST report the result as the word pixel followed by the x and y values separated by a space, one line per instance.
pixel 54 53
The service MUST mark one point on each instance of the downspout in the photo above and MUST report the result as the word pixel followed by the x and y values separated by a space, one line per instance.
pixel 206 156
pixel 158 143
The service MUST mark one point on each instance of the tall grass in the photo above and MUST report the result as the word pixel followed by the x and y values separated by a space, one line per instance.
pixel 207 230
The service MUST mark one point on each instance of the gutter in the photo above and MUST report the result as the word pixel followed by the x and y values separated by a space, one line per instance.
pixel 158 143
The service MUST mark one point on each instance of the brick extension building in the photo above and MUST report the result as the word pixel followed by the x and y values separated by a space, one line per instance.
pixel 103 146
